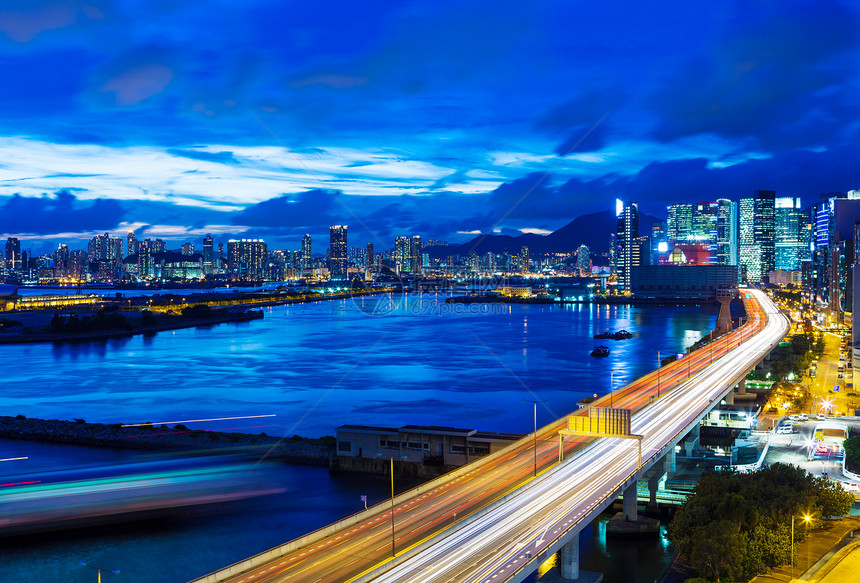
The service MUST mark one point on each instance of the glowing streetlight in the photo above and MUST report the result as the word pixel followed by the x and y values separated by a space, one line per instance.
pixel 99 570
pixel 806 519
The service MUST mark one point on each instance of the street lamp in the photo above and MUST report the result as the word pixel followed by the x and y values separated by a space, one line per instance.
pixel 99 570
pixel 393 552
pixel 806 519
pixel 535 432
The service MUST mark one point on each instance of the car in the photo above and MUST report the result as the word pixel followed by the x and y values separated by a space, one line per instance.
pixel 794 417
pixel 841 375
pixel 821 417
pixel 783 430
pixel 804 417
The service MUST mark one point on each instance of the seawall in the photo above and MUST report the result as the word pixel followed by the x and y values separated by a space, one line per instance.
pixel 161 437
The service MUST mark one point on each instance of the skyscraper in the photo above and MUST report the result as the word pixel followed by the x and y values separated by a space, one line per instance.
pixel 369 258
pixel 415 251
pixel 627 214
pixel 789 224
pixel 659 241
pixel 583 260
pixel 208 265
pixel 105 251
pixel 757 237
pixel 338 249
pixel 524 260
pixel 306 252
pixel 727 232
pixel 247 258
pixel 402 255
pixel 13 254
pixel 131 244
pixel 679 222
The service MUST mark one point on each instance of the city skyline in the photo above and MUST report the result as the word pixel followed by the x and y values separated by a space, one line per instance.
pixel 157 125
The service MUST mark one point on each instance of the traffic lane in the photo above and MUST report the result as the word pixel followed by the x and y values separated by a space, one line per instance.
pixel 699 359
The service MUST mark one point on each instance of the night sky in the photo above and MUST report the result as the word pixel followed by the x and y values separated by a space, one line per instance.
pixel 274 118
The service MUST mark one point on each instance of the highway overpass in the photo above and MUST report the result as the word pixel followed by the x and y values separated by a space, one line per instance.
pixel 493 520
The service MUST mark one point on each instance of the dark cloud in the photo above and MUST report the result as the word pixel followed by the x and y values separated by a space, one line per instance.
pixel 781 76
pixel 306 209
pixel 60 213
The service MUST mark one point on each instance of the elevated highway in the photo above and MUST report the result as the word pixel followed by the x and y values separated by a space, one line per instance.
pixel 493 520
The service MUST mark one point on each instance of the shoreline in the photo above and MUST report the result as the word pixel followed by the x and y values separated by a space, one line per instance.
pixel 30 337
pixel 306 451
pixel 223 314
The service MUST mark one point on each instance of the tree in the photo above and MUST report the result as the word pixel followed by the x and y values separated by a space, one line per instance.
pixel 717 551
pixel 57 323
pixel 747 518
pixel 852 453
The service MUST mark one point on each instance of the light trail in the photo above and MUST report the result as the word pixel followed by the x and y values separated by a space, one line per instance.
pixel 12 459
pixel 358 545
pixel 493 547
pixel 153 423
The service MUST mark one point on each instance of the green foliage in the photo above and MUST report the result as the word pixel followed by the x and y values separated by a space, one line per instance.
pixel 197 311
pixel 147 318
pixel 852 453
pixel 57 323
pixel 738 525
pixel 101 320
pixel 717 551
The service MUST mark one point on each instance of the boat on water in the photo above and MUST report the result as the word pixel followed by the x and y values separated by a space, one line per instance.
pixel 600 351
pixel 620 335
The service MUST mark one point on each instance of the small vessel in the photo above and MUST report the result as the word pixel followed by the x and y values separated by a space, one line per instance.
pixel 622 335
pixel 600 351
pixel 604 335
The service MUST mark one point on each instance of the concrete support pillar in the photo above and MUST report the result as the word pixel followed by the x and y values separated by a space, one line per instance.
pixel 690 440
pixel 730 398
pixel 653 486
pixel 629 503
pixel 742 387
pixel 568 558
pixel 669 460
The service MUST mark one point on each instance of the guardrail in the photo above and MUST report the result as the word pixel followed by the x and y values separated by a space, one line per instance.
pixel 322 533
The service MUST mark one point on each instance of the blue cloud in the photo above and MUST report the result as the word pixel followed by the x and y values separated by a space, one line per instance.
pixel 60 213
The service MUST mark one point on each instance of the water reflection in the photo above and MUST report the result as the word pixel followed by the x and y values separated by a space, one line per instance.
pixel 324 364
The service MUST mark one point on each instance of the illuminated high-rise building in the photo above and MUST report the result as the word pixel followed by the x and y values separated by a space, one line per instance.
pixel 524 260
pixel 338 250
pixel 306 252
pixel 757 236
pixel 247 258
pixel 402 254
pixel 131 244
pixel 627 215
pixel 679 222
pixel 208 263
pixel 790 231
pixel 13 254
pixel 583 260
pixel 415 251
pixel 727 232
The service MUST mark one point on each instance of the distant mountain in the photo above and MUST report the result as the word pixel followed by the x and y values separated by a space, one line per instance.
pixel 592 230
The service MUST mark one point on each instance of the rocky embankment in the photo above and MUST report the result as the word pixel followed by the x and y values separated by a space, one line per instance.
pixel 162 437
